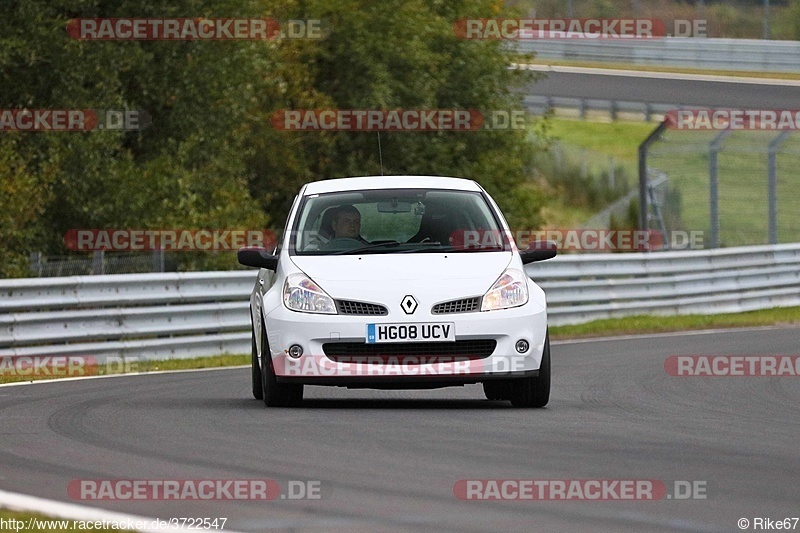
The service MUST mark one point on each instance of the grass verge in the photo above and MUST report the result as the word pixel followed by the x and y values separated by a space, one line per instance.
pixel 600 140
pixel 128 366
pixel 597 147
pixel 684 157
pixel 777 316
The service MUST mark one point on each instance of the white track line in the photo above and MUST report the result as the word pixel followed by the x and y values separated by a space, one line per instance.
pixel 70 511
pixel 129 374
pixel 660 75
pixel 556 342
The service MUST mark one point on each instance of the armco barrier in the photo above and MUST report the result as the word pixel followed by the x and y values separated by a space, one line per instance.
pixel 162 316
pixel 698 53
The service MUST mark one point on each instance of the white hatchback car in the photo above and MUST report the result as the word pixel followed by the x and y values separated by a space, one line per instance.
pixel 398 282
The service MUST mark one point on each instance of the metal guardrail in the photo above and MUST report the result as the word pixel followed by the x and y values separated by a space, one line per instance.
pixel 539 105
pixel 146 316
pixel 182 315
pixel 720 54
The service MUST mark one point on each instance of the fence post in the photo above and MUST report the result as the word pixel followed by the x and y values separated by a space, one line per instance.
pixel 98 262
pixel 713 186
pixel 643 205
pixel 611 172
pixel 158 260
pixel 35 262
pixel 772 185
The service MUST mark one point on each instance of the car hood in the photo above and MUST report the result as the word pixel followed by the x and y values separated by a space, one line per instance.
pixel 387 278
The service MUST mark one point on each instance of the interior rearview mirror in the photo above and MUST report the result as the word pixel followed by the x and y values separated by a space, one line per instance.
pixel 394 206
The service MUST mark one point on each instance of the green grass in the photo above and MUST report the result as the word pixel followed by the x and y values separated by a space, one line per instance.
pixel 134 366
pixel 619 140
pixel 742 174
pixel 6 515
pixel 660 324
pixel 598 328
pixel 559 214
pixel 683 156
pixel 594 142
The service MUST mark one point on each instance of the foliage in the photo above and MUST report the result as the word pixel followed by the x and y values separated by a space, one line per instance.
pixel 725 18
pixel 210 158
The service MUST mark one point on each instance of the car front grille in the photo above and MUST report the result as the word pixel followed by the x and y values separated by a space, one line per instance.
pixel 346 307
pixel 464 305
pixel 377 353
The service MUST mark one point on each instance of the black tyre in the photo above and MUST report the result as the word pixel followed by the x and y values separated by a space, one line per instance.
pixel 497 389
pixel 258 384
pixel 535 391
pixel 276 394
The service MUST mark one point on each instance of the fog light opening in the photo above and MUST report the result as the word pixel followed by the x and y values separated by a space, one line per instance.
pixel 522 346
pixel 295 351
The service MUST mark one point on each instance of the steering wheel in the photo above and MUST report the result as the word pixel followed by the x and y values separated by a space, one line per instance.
pixel 344 243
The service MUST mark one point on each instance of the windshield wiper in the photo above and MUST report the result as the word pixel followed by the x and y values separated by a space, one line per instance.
pixel 426 246
pixel 451 248
pixel 419 247
pixel 369 247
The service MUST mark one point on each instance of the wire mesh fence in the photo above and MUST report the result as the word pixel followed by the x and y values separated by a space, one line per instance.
pixel 598 186
pixel 98 263
pixel 102 262
pixel 736 187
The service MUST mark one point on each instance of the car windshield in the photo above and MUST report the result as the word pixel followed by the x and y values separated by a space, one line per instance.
pixel 392 221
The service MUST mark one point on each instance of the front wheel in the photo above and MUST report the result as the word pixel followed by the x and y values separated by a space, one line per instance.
pixel 534 391
pixel 276 394
pixel 497 389
pixel 258 384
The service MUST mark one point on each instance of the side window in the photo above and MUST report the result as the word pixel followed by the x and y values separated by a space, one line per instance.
pixel 282 234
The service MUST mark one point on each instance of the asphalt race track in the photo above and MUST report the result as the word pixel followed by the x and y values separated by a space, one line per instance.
pixel 388 460
pixel 663 90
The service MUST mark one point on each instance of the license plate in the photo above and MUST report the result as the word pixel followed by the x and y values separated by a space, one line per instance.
pixel 411 332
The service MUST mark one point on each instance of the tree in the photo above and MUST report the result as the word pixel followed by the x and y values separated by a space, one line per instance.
pixel 210 158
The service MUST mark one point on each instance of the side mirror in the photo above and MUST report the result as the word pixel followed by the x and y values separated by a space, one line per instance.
pixel 539 251
pixel 258 257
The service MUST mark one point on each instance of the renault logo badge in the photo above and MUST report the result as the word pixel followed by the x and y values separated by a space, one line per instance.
pixel 409 304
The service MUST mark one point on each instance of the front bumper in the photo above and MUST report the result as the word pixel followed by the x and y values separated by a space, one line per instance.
pixel 310 331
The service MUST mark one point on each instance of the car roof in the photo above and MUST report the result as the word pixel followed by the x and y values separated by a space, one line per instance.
pixel 390 182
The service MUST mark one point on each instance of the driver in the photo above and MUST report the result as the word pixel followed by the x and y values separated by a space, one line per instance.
pixel 346 224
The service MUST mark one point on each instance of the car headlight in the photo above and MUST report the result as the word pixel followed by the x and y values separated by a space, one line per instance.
pixel 300 293
pixel 510 290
